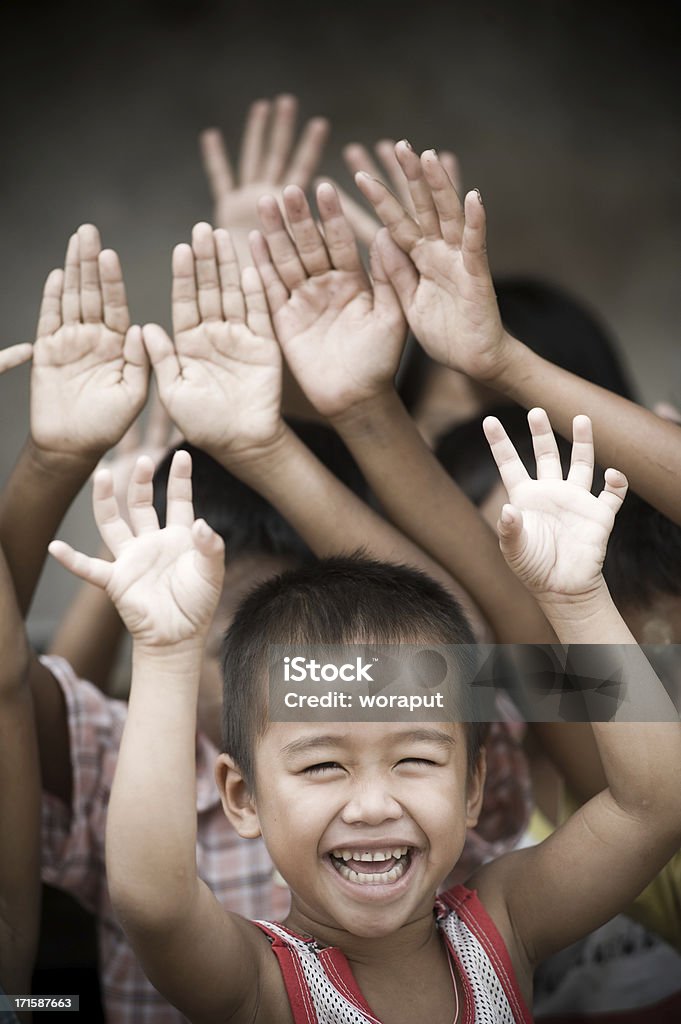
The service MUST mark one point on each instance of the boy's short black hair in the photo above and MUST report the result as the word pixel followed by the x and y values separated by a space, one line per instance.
pixel 643 558
pixel 247 523
pixel 350 599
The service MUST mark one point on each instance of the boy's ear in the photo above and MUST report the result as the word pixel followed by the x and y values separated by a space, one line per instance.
pixel 238 802
pixel 475 789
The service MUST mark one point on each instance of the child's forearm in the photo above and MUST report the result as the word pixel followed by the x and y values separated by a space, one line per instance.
pixel 426 504
pixel 640 747
pixel 45 483
pixel 327 515
pixel 530 380
pixel 151 827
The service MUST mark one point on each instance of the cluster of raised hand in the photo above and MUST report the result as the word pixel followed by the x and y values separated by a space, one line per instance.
pixel 340 328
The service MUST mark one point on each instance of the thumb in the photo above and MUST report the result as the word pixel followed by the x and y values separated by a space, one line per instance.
pixel 397 268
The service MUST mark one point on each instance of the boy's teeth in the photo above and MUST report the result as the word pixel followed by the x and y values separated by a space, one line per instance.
pixel 378 878
pixel 345 855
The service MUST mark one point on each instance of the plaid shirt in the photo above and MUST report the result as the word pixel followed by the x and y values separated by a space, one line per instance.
pixel 238 871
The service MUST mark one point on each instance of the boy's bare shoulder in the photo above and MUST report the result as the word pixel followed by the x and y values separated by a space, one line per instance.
pixel 269 1001
pixel 493 882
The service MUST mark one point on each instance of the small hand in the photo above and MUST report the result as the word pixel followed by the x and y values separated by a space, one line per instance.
pixel 90 370
pixel 341 337
pixel 358 159
pixel 220 379
pixel 553 533
pixel 437 264
pixel 165 583
pixel 266 163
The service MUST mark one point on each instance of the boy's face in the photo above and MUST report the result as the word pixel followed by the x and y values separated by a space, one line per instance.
pixel 363 821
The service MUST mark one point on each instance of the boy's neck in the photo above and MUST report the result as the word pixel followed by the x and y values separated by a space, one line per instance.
pixel 418 936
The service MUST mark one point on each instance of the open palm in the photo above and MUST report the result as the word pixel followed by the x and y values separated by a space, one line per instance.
pixel 341 337
pixel 554 532
pixel 220 379
pixel 165 583
pixel 90 371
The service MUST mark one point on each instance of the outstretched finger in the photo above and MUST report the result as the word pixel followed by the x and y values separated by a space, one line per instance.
pixel 70 298
pixel 135 366
pixel 283 252
pixel 113 529
pixel 206 269
pixel 140 498
pixel 281 137
pixel 582 457
pixel 257 312
pixel 275 290
pixel 392 214
pixel 421 195
pixel 385 150
pixel 252 143
pixel 397 266
pixel 445 198
pixel 339 236
pixel 308 153
pixel 210 552
pixel 509 463
pixel 15 355
pixel 216 163
pixel 614 492
pixel 163 357
pixel 358 158
pixel 474 238
pixel 115 308
pixel 306 237
pixel 185 305
pixel 90 284
pixel 94 570
pixel 452 167
pixel 544 445
pixel 49 318
pixel 360 220
pixel 179 507
pixel 386 302
pixel 233 307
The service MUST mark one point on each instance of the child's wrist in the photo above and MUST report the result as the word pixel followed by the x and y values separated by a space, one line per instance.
pixel 588 617
pixel 59 463
pixel 249 460
pixel 357 419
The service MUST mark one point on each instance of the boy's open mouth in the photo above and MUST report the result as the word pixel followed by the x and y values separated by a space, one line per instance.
pixel 372 867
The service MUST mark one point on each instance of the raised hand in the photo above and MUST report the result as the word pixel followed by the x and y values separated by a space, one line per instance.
pixel 553 533
pixel 220 379
pixel 267 162
pixel 90 370
pixel 341 336
pixel 436 261
pixel 358 159
pixel 164 583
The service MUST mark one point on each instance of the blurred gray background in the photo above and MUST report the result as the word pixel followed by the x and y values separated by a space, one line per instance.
pixel 565 115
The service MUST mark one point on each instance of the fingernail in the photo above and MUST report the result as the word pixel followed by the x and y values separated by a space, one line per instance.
pixel 408 144
pixel 433 151
pixel 479 193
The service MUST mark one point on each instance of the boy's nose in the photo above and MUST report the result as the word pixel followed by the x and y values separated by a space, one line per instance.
pixel 371 804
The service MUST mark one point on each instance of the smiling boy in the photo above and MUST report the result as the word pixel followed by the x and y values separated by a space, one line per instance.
pixel 322 796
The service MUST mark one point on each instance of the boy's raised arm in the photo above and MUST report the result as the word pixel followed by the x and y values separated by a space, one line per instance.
pixel 342 336
pixel 220 380
pixel 19 782
pixel 166 585
pixel 553 535
pixel 437 263
pixel 88 382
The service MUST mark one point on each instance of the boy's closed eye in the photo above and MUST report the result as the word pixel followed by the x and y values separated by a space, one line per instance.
pixel 326 766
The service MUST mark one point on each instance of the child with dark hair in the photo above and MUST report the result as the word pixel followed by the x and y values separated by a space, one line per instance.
pixel 361 944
